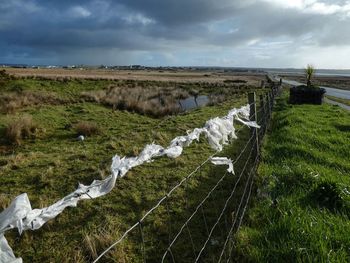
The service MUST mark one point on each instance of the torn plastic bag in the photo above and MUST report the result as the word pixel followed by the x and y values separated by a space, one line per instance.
pixel 12 216
pixel 37 217
pixel 121 166
pixel 6 253
pixel 173 152
pixel 223 161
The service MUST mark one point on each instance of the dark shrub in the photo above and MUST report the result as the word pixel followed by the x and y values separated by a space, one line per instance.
pixel 304 95
pixel 235 81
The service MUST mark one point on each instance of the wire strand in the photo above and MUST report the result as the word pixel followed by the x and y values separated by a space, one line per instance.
pixel 226 203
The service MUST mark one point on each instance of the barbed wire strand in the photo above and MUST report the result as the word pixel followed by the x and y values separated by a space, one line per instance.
pixel 204 200
pixel 241 218
pixel 239 207
pixel 225 206
pixel 192 215
pixel 156 206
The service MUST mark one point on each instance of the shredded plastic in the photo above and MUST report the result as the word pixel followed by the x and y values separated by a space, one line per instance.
pixel 223 161
pixel 6 253
pixel 20 214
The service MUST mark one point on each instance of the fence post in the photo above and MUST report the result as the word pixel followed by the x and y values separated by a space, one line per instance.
pixel 253 117
pixel 268 104
pixel 262 84
pixel 271 101
pixel 262 112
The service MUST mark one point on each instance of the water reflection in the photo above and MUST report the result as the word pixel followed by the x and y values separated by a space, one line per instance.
pixel 193 102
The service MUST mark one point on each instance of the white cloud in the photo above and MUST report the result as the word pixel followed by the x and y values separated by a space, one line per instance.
pixel 297 4
pixel 312 6
pixel 79 12
pixel 138 19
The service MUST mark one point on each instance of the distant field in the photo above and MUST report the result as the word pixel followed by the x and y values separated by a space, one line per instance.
pixel 328 81
pixel 178 76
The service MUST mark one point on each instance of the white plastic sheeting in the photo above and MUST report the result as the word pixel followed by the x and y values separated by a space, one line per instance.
pixel 20 214
pixel 6 253
pixel 223 161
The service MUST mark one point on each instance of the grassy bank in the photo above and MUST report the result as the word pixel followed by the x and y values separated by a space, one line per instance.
pixel 301 211
pixel 344 101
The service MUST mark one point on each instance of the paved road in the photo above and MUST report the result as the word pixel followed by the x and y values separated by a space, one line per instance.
pixel 339 93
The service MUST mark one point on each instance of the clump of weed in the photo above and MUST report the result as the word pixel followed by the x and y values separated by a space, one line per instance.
pixel 5 201
pixel 19 129
pixel 95 241
pixel 86 128
pixel 327 194
pixel 4 78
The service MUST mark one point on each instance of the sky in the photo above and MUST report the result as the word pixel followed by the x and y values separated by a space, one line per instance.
pixel 237 33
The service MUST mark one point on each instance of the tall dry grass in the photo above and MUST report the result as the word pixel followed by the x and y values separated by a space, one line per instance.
pixel 19 129
pixel 86 128
pixel 96 241
pixel 149 100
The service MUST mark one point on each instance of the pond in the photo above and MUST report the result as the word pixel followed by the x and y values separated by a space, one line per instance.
pixel 193 102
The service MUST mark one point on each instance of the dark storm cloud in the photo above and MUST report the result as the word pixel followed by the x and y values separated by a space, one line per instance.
pixel 54 28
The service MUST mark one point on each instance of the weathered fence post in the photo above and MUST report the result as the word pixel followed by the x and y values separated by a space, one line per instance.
pixel 253 117
pixel 262 112
pixel 262 84
pixel 268 106
pixel 271 100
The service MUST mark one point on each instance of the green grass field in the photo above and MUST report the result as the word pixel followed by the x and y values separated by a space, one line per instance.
pixel 50 165
pixel 302 207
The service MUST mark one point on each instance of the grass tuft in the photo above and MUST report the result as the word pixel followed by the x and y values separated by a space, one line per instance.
pixel 19 129
pixel 87 128
pixel 329 195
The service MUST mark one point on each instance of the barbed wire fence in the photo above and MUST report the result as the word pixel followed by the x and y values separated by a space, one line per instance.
pixel 198 218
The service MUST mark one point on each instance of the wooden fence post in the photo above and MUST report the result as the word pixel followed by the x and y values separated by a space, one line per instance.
pixel 253 117
pixel 268 104
pixel 262 111
pixel 271 101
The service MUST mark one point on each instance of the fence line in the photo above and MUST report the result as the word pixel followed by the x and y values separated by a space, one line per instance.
pixel 253 143
pixel 157 205
pixel 223 210
pixel 241 202
pixel 200 205
pixel 262 117
pixel 186 178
